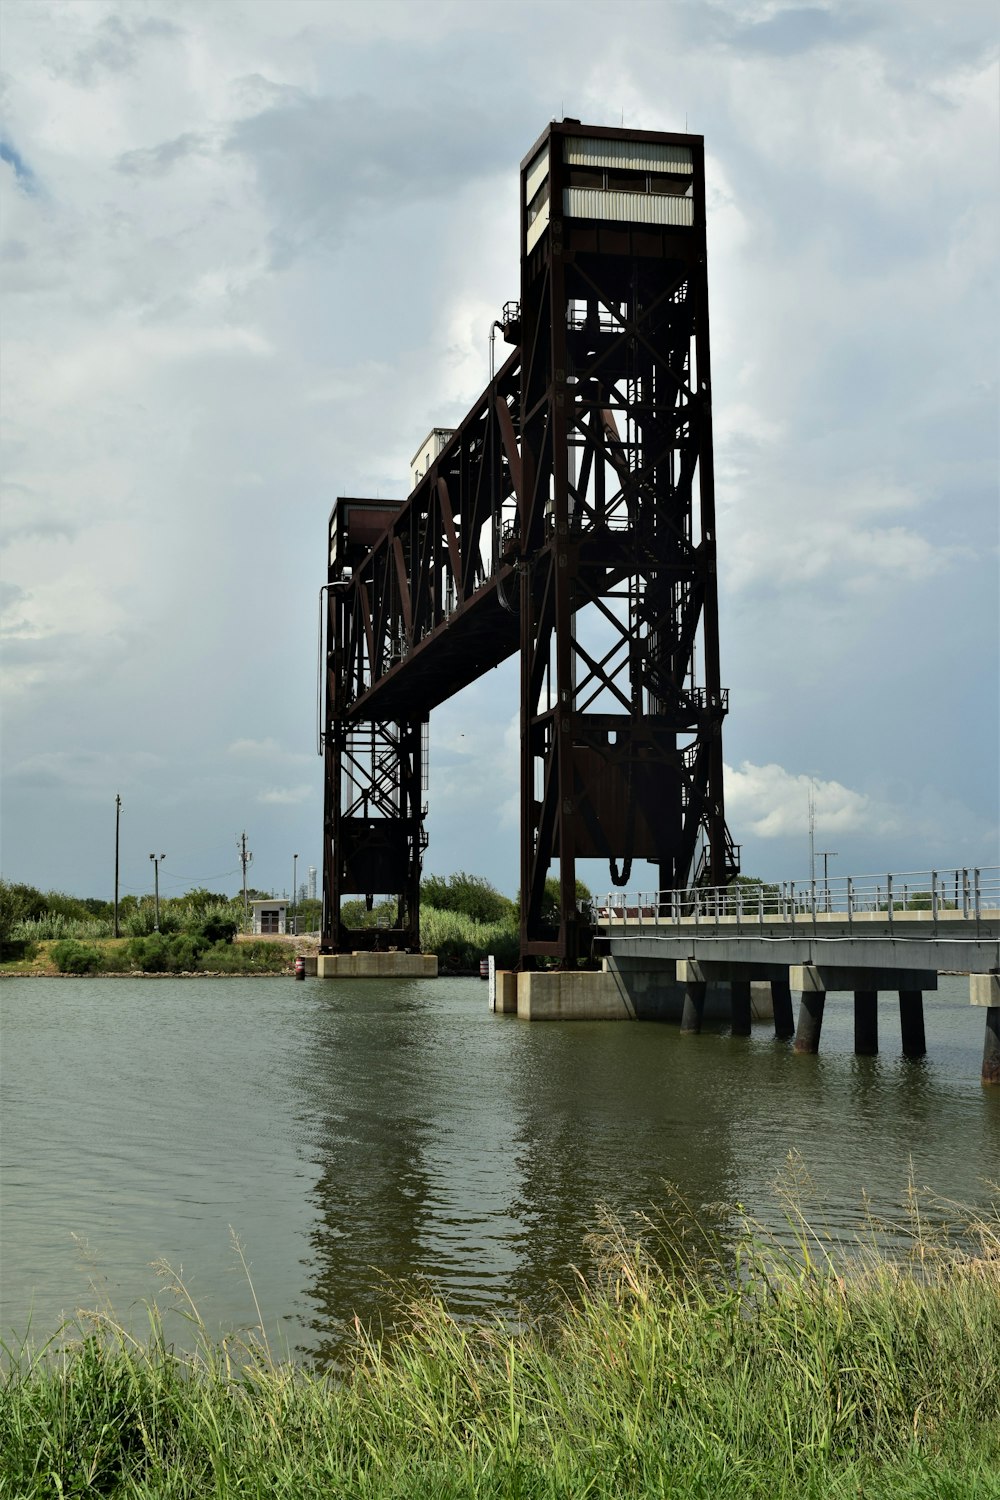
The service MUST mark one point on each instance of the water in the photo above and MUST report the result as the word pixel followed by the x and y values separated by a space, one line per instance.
pixel 350 1132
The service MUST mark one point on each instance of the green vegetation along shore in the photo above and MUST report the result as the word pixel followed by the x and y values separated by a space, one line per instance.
pixel 758 1375
pixel 463 919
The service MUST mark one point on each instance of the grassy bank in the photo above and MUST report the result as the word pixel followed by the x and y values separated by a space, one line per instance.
pixel 175 954
pixel 458 940
pixel 755 1375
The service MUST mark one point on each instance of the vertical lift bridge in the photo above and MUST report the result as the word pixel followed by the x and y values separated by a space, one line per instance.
pixel 570 517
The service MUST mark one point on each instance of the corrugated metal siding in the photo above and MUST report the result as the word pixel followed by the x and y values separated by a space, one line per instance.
pixel 640 156
pixel 632 208
pixel 535 228
pixel 536 175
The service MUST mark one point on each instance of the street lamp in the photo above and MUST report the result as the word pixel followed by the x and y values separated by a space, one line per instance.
pixel 156 889
pixel 295 898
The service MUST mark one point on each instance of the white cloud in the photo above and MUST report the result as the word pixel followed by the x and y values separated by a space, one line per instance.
pixel 770 802
pixel 257 264
pixel 286 796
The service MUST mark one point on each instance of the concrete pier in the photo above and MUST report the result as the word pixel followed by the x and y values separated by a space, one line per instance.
pixel 689 975
pixel 505 997
pixel 811 1004
pixel 572 995
pixel 809 981
pixel 911 1022
pixel 984 990
pixel 866 1023
pixel 376 966
pixel 781 1004
pixel 741 1012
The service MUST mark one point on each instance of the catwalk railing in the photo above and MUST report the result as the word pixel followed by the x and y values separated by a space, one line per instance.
pixel 930 897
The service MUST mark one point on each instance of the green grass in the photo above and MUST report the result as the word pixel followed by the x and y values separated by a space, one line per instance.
pixel 756 1375
pixel 460 941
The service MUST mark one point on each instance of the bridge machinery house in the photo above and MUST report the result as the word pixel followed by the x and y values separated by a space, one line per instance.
pixel 269 918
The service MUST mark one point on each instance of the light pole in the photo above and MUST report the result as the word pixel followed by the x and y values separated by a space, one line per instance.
pixel 824 855
pixel 295 898
pixel 118 819
pixel 156 889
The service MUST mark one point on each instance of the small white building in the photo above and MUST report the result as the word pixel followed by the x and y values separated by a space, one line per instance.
pixel 269 918
pixel 433 443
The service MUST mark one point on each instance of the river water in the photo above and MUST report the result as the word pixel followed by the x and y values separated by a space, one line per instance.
pixel 350 1132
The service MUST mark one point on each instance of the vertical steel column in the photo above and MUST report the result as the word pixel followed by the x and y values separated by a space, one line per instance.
pixel 372 796
pixel 621 751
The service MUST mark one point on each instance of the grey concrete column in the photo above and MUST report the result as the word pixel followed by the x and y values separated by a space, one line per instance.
pixel 866 1022
pixel 984 990
pixel 811 1004
pixel 809 990
pixel 694 1007
pixel 740 1006
pixel 689 973
pixel 911 1022
pixel 781 999
pixel 991 1046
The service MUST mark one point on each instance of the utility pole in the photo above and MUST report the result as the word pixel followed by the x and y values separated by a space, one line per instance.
pixel 118 816
pixel 295 897
pixel 156 890
pixel 812 832
pixel 246 858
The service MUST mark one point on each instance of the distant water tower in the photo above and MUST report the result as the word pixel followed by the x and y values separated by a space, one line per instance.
pixel 312 882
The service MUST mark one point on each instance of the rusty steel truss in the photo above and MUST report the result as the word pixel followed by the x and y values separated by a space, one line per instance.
pixel 570 517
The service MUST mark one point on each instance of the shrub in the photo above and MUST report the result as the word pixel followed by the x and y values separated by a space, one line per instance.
pixel 150 954
pixel 71 957
pixel 215 929
pixel 470 895
pixel 356 914
pixel 21 950
pixel 247 958
pixel 185 953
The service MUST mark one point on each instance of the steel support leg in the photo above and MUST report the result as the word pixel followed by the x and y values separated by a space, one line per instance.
pixel 811 1004
pixel 866 1022
pixel 911 1022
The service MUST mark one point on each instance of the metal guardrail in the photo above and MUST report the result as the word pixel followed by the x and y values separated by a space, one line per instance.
pixel 964 894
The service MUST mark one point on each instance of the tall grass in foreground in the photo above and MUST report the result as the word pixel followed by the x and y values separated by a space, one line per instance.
pixel 754 1373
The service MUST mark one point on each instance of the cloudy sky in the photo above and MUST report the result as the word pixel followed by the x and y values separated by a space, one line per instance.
pixel 251 252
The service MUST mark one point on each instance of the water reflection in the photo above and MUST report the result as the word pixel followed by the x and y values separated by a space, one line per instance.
pixel 375 1128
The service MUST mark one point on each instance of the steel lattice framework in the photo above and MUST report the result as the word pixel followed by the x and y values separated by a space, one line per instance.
pixel 571 516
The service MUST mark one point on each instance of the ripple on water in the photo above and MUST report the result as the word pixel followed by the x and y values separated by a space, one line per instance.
pixel 348 1133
